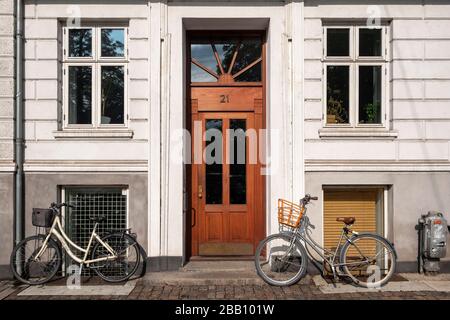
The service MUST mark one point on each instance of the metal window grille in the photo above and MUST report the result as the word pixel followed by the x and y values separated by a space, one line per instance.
pixel 110 202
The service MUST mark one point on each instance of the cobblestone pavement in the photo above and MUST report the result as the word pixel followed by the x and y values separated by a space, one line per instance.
pixel 143 291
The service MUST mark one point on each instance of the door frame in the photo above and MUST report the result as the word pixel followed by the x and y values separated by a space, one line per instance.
pixel 191 239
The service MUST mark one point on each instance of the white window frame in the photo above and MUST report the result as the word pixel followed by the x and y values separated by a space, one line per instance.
pixel 99 93
pixel 383 92
pixel 99 45
pixel 96 62
pixel 66 93
pixel 350 49
pixel 354 61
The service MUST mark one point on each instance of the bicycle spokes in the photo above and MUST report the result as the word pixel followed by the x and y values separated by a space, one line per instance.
pixel 281 259
pixel 368 259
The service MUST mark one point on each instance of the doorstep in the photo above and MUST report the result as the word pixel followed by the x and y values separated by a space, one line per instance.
pixel 220 273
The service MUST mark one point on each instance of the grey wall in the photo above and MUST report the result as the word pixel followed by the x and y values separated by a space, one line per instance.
pixel 6 130
pixel 6 217
pixel 42 188
pixel 411 194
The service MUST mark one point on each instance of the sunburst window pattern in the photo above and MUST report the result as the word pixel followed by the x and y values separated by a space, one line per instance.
pixel 226 61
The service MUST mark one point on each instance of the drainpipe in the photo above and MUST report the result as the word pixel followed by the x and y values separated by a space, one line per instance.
pixel 19 216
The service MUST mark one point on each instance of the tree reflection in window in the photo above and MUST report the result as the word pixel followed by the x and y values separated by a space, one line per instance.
pixel 112 102
pixel 80 95
pixel 112 41
pixel 80 43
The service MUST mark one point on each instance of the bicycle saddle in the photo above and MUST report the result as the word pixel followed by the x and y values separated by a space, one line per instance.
pixel 98 219
pixel 346 220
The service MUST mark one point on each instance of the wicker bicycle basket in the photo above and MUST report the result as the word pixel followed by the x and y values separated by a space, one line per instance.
pixel 289 213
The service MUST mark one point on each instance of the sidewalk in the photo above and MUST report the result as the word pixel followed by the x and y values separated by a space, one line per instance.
pixel 230 280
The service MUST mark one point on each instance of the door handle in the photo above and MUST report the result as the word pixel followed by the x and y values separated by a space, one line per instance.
pixel 200 191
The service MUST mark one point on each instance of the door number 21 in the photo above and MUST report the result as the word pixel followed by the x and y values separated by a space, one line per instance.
pixel 224 98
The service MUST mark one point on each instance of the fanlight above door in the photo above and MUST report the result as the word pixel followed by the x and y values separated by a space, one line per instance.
pixel 226 61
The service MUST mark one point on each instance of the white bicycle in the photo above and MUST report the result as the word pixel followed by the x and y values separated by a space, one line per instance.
pixel 37 259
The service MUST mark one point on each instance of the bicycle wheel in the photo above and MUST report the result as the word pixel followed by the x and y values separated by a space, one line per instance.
pixel 27 269
pixel 126 263
pixel 281 260
pixel 369 260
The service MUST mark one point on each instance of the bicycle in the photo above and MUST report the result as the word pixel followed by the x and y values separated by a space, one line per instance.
pixel 368 259
pixel 36 260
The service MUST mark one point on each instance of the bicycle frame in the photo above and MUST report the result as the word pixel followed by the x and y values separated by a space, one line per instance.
pixel 328 256
pixel 58 231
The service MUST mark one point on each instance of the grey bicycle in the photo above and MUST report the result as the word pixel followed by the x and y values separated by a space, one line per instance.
pixel 367 259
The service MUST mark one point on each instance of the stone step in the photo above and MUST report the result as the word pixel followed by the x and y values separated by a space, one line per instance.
pixel 190 278
pixel 221 273
pixel 226 265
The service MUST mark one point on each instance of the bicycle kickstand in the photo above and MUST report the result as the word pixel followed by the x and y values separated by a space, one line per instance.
pixel 335 278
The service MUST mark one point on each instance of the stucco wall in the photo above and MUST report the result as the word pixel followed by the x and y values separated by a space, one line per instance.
pixel 6 217
pixel 418 87
pixel 6 84
pixel 44 83
pixel 6 131
pixel 410 194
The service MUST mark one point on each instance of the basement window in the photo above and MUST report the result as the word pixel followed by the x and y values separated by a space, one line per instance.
pixel 110 202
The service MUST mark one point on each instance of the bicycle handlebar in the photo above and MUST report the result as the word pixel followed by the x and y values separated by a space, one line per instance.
pixel 308 198
pixel 60 205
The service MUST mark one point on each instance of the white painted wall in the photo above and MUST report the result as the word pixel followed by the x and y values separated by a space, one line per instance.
pixel 419 83
pixel 6 85
pixel 43 96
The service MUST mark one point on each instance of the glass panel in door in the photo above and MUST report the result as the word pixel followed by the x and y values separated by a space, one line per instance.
pixel 213 161
pixel 238 186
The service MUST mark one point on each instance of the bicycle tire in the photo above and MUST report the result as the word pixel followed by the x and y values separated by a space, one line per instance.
pixel 111 274
pixel 57 259
pixel 380 239
pixel 303 255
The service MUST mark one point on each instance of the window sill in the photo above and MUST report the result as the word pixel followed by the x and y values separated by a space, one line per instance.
pixel 93 134
pixel 357 133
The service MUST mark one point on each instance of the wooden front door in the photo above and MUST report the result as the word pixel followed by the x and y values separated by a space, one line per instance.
pixel 226 100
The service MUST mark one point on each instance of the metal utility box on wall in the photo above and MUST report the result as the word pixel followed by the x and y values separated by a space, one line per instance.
pixel 433 231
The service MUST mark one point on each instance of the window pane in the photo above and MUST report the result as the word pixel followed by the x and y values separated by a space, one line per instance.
pixel 251 75
pixel 203 54
pixel 249 51
pixel 213 161
pixel 338 42
pixel 200 75
pixel 112 95
pixel 80 42
pixel 370 94
pixel 238 194
pixel 225 50
pixel 337 94
pixel 370 42
pixel 80 95
pixel 113 42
